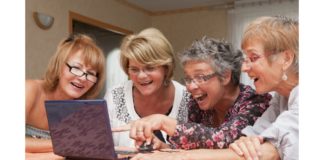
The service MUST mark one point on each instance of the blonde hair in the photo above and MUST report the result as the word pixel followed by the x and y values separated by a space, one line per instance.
pixel 149 47
pixel 277 34
pixel 92 56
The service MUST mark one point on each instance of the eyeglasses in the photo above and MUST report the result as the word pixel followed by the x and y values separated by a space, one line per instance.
pixel 249 60
pixel 147 70
pixel 200 79
pixel 76 71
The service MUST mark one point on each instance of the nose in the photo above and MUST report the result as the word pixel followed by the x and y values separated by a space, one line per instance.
pixel 141 73
pixel 192 86
pixel 245 67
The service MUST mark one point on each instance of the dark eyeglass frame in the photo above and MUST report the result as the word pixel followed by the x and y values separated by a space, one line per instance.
pixel 83 73
pixel 200 79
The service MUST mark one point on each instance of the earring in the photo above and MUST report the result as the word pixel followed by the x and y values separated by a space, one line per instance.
pixel 166 83
pixel 284 77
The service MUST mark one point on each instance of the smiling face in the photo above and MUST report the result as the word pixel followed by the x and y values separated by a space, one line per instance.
pixel 147 79
pixel 208 93
pixel 266 74
pixel 70 85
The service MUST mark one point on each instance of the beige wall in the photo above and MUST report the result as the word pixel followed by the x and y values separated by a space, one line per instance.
pixel 41 44
pixel 181 29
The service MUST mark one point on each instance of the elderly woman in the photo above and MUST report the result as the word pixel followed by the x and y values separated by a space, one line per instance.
pixel 147 58
pixel 220 106
pixel 75 71
pixel 271 48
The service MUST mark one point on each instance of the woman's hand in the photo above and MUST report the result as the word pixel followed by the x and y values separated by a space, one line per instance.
pixel 158 144
pixel 142 130
pixel 249 147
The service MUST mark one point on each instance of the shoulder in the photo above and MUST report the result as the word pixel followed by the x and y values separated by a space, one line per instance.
pixel 119 89
pixel 118 95
pixel 33 90
pixel 34 87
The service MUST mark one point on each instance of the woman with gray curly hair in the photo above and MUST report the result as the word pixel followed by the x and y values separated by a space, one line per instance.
pixel 220 107
pixel 271 48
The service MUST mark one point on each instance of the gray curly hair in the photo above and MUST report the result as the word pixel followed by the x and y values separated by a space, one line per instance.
pixel 218 53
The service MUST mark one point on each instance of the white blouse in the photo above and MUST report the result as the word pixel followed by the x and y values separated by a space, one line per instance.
pixel 121 109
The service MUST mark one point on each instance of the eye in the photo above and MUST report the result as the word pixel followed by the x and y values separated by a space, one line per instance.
pixel 199 78
pixel 253 58
pixel 134 70
pixel 150 68
pixel 92 73
pixel 75 67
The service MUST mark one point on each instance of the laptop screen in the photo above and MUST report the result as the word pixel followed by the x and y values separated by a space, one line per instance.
pixel 80 128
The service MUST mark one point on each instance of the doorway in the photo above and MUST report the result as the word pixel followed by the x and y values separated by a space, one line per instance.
pixel 108 38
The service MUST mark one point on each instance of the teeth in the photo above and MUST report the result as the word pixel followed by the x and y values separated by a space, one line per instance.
pixel 144 83
pixel 200 97
pixel 76 85
pixel 197 96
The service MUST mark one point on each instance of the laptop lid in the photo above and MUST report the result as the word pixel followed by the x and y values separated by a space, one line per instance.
pixel 80 129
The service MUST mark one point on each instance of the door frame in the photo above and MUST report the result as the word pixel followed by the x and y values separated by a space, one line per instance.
pixel 95 22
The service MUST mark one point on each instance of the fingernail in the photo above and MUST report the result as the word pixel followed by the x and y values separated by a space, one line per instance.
pixel 256 158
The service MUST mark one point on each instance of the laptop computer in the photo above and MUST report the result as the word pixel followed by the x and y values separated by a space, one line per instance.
pixel 80 129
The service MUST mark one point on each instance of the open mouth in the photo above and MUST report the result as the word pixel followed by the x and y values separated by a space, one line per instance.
pixel 200 97
pixel 77 85
pixel 146 83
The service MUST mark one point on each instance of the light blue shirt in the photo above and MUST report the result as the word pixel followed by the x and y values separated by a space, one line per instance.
pixel 279 125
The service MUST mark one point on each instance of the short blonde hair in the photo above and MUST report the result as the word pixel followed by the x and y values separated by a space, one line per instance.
pixel 277 34
pixel 92 56
pixel 149 47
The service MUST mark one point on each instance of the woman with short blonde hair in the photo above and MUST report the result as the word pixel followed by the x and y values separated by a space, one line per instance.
pixel 149 47
pixel 147 58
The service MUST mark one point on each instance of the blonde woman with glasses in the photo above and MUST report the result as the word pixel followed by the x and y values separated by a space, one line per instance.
pixel 147 58
pixel 75 71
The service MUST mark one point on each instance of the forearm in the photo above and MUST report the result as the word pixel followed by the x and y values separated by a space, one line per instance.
pixel 38 145
pixel 47 155
pixel 194 135
pixel 211 154
pixel 269 152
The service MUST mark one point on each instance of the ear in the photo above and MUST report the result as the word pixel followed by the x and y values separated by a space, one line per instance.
pixel 288 59
pixel 227 78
